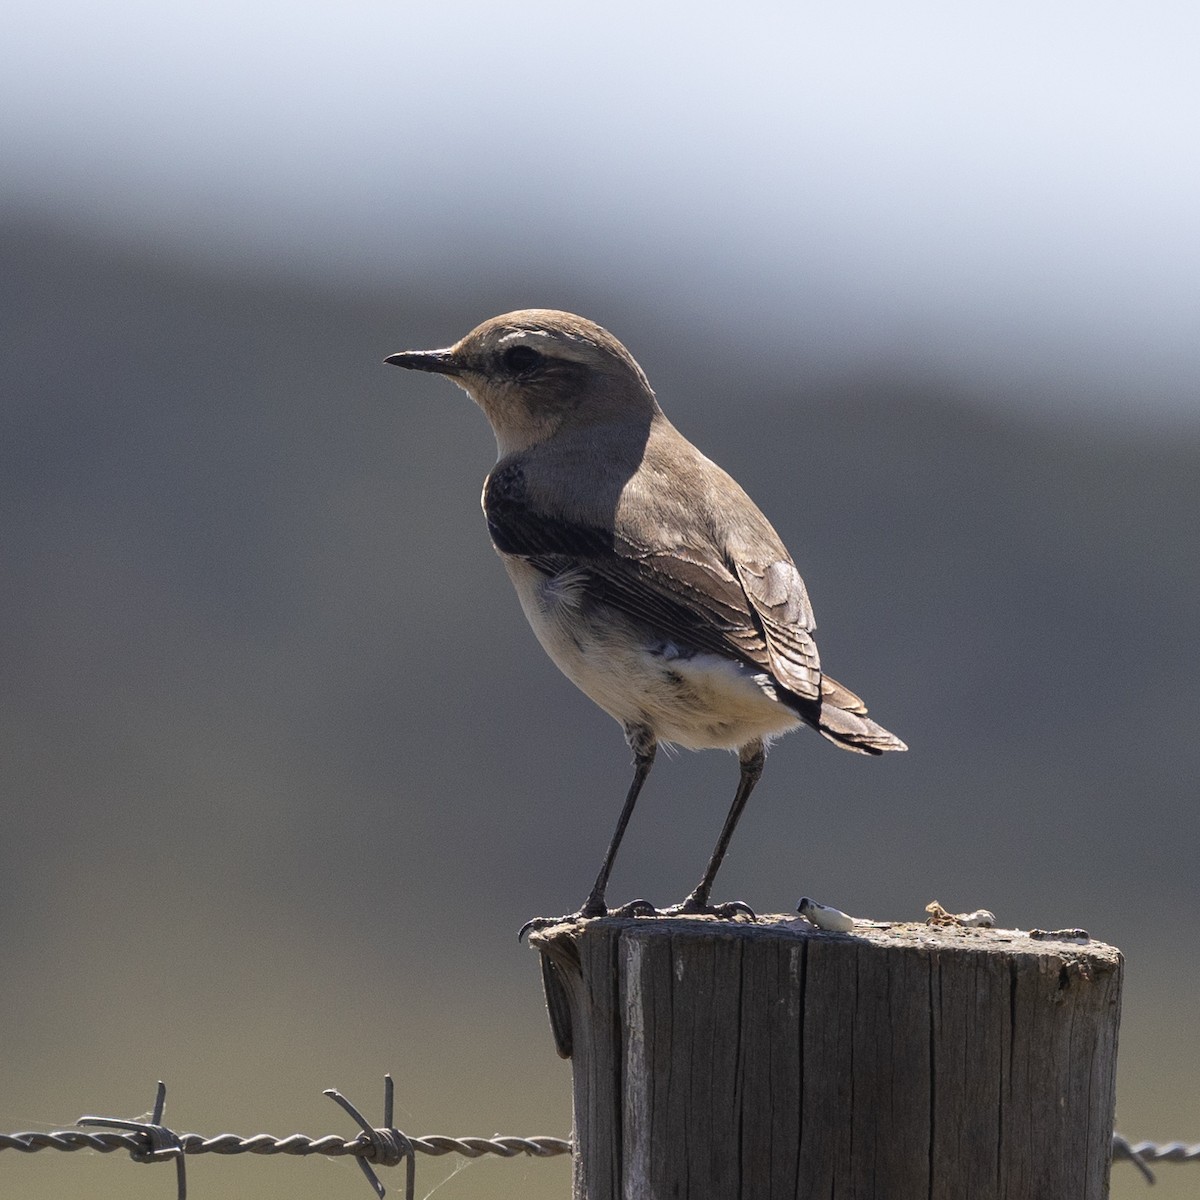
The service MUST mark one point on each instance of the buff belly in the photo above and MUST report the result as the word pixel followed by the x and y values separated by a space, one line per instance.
pixel 694 699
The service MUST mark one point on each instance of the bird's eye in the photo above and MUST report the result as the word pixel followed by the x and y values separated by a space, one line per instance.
pixel 520 359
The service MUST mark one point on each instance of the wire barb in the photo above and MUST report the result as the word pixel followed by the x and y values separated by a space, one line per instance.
pixel 1141 1153
pixel 1122 1149
pixel 386 1146
pixel 160 1144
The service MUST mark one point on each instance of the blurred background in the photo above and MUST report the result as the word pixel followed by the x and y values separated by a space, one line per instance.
pixel 284 768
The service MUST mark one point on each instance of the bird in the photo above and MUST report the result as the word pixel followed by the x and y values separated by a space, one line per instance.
pixel 650 578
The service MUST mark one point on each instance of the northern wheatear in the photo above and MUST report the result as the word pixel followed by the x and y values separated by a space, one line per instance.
pixel 649 577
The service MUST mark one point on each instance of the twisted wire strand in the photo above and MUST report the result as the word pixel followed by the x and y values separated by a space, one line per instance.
pixel 1155 1151
pixel 330 1145
pixel 142 1144
pixel 435 1145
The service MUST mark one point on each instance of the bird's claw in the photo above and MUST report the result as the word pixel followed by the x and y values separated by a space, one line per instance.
pixel 731 910
pixel 635 908
pixel 537 924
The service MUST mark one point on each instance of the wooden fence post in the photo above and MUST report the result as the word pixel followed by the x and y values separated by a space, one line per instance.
pixel 716 1060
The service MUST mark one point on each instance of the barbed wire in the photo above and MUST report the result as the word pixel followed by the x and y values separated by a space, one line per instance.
pixel 1142 1153
pixel 149 1140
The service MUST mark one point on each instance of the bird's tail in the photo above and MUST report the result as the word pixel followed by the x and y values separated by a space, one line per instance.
pixel 842 718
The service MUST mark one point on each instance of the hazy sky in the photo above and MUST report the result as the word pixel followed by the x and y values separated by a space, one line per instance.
pixel 1014 189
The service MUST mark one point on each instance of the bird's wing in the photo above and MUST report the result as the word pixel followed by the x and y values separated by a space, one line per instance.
pixel 695 595
pixel 781 603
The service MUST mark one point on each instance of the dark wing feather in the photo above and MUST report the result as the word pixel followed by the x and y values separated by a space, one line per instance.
pixel 781 601
pixel 688 595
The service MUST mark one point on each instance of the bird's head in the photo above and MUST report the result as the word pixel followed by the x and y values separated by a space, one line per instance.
pixel 539 372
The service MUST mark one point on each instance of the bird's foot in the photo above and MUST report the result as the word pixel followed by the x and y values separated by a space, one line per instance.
pixel 635 908
pixel 694 906
pixel 537 924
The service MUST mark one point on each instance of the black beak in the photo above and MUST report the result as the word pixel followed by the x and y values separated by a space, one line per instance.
pixel 441 362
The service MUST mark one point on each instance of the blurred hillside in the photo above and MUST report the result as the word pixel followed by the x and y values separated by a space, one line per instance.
pixel 286 770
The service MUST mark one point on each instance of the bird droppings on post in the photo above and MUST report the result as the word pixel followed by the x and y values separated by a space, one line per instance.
pixel 648 575
pixel 823 916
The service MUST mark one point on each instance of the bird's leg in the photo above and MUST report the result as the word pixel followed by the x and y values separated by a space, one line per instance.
pixel 644 746
pixel 751 758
